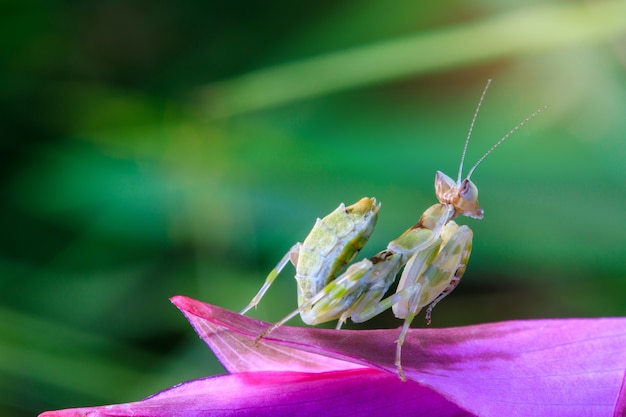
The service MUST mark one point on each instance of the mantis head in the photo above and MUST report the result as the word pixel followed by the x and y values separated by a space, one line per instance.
pixel 463 196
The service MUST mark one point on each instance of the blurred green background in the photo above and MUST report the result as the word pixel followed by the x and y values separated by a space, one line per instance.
pixel 158 148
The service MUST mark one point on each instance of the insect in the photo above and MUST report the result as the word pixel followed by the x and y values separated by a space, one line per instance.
pixel 434 254
pixel 332 243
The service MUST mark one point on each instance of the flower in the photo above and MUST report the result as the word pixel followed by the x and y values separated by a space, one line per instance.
pixel 550 367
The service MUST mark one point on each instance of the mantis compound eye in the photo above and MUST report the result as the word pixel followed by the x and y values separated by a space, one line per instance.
pixel 468 191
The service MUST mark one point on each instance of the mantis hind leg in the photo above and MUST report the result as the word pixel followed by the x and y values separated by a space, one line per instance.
pixel 292 256
pixel 356 293
pixel 332 301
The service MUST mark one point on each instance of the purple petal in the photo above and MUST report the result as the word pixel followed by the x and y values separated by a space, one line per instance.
pixel 238 351
pixel 569 367
pixel 620 410
pixel 357 392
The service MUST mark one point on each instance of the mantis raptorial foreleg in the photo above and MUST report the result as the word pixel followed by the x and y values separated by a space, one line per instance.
pixel 439 277
pixel 455 281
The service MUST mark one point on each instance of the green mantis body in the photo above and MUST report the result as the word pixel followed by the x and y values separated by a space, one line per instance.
pixel 332 243
pixel 434 254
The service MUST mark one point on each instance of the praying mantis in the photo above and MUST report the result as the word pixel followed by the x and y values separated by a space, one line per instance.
pixel 434 254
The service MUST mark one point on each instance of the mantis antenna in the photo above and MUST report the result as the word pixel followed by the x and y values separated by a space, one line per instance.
pixel 515 129
pixel 469 134
pixel 495 145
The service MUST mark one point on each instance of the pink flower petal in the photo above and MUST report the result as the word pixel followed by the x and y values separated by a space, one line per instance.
pixel 620 410
pixel 569 367
pixel 238 351
pixel 357 392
